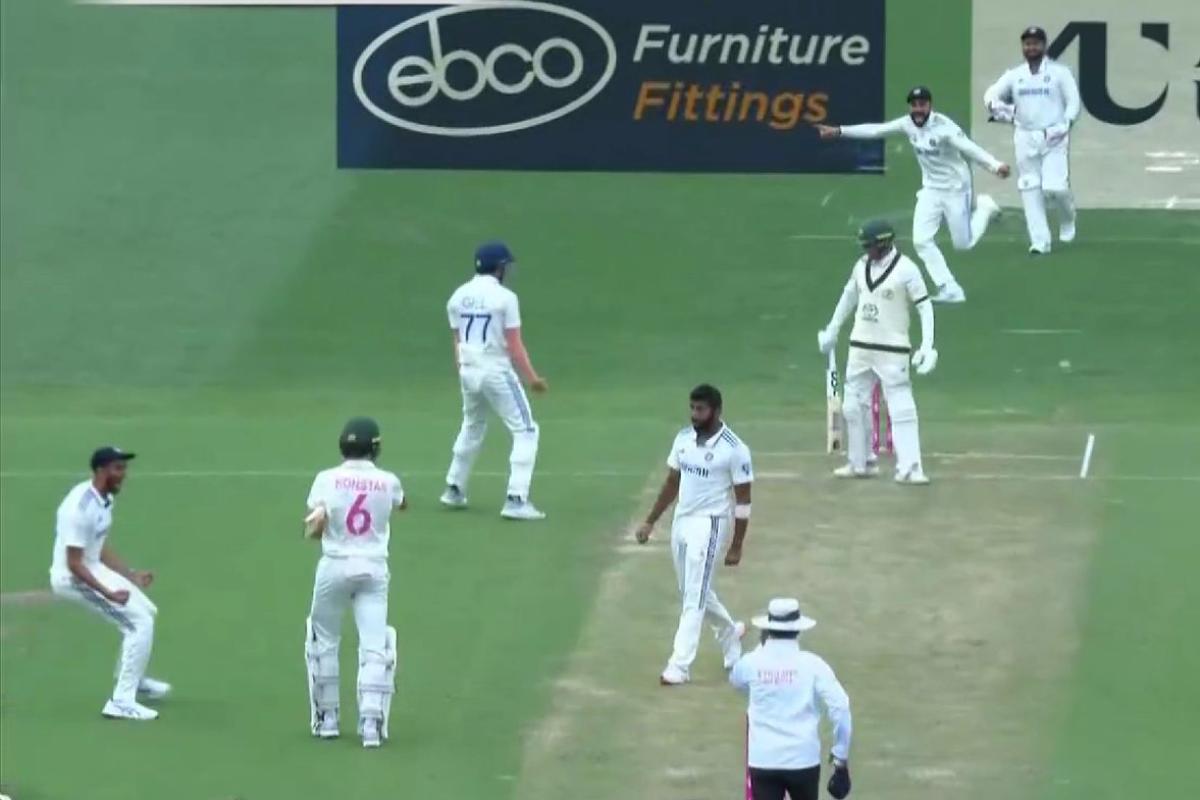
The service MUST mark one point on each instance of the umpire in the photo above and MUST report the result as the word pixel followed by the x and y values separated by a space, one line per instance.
pixel 788 687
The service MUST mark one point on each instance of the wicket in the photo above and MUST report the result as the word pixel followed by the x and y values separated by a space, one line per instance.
pixel 878 416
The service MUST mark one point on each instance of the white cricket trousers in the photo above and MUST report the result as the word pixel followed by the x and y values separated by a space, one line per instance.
pixel 697 546
pixel 497 388
pixel 360 584
pixel 966 226
pixel 135 619
pixel 1043 176
pixel 863 367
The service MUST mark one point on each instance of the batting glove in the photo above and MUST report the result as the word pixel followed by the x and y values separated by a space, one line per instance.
pixel 826 340
pixel 839 781
pixel 924 360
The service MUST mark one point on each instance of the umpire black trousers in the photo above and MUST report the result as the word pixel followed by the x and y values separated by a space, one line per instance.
pixel 775 784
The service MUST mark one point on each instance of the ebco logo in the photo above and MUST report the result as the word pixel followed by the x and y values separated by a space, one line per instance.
pixel 519 84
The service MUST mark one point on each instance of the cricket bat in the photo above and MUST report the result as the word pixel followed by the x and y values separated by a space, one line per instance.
pixel 833 407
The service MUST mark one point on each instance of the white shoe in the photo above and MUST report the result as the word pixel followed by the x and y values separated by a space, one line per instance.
pixel 986 202
pixel 153 689
pixel 372 735
pixel 517 508
pixel 915 476
pixel 453 498
pixel 134 711
pixel 672 676
pixel 732 645
pixel 1039 250
pixel 327 728
pixel 1066 231
pixel 848 471
pixel 950 293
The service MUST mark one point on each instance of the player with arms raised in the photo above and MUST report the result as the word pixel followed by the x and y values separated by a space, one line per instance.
pixel 485 320
pixel 883 285
pixel 944 153
pixel 349 510
pixel 709 472
pixel 1041 99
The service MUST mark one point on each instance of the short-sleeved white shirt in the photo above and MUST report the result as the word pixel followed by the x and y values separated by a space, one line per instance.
pixel 482 310
pixel 83 520
pixel 359 498
pixel 886 291
pixel 709 471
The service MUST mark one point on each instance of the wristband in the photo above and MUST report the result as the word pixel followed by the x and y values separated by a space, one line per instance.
pixel 741 511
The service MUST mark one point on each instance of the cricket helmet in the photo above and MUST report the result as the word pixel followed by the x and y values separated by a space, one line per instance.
pixel 876 232
pixel 920 93
pixel 492 256
pixel 360 438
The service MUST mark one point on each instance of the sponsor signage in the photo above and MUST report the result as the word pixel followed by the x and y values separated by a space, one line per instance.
pixel 604 85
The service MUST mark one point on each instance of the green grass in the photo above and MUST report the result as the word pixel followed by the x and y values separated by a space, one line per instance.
pixel 185 273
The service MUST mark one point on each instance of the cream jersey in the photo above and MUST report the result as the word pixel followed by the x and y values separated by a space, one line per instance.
pixel 83 520
pixel 708 471
pixel 884 291
pixel 1042 99
pixel 482 310
pixel 359 498
pixel 942 149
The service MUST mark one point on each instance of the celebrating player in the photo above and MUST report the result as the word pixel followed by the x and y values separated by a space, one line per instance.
pixel 882 286
pixel 1041 100
pixel 86 570
pixel 707 465
pixel 486 321
pixel 349 510
pixel 942 150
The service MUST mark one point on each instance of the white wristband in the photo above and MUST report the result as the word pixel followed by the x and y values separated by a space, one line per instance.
pixel 741 511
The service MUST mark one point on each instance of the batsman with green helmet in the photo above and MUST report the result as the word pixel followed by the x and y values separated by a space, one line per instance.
pixel 883 285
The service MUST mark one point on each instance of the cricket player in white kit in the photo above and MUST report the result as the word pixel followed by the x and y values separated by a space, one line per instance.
pixel 943 152
pixel 485 319
pixel 710 473
pixel 349 510
pixel 86 570
pixel 1041 99
pixel 883 285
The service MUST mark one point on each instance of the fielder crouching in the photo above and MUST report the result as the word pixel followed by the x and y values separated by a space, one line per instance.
pixel 883 285
pixel 788 686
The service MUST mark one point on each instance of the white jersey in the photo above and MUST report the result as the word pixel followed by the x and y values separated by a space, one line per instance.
pixel 884 291
pixel 788 688
pixel 482 310
pixel 941 148
pixel 359 498
pixel 708 472
pixel 83 520
pixel 1042 99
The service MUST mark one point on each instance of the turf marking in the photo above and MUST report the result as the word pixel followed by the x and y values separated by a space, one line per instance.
pixel 1087 455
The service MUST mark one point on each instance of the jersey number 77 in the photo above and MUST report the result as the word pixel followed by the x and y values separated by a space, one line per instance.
pixel 471 319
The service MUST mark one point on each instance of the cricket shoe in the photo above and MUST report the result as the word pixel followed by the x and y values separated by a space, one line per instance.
pixel 731 644
pixel 1039 250
pixel 520 508
pixel 988 204
pixel 672 676
pixel 134 711
pixel 950 293
pixel 913 476
pixel 848 471
pixel 153 689
pixel 1066 232
pixel 453 497
pixel 372 732
pixel 327 728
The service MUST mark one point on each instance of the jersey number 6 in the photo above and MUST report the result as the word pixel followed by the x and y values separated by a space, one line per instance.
pixel 358 519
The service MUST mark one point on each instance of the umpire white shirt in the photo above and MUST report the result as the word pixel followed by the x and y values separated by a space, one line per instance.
pixel 788 689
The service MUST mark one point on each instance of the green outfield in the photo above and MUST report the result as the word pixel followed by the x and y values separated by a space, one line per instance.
pixel 186 274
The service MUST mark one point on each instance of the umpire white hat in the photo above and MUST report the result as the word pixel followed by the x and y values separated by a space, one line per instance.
pixel 783 614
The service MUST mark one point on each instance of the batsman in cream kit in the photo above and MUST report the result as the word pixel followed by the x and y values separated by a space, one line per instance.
pixel 667 85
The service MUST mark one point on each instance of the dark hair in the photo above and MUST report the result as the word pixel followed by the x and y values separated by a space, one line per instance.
pixel 707 394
